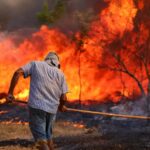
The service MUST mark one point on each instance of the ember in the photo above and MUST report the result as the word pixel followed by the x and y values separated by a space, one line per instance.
pixel 76 125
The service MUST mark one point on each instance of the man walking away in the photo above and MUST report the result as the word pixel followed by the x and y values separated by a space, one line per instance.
pixel 48 90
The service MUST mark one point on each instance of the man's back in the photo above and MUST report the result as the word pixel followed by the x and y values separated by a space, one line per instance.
pixel 46 86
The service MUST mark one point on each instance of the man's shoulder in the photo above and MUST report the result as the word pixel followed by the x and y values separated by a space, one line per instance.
pixel 36 62
pixel 45 65
pixel 57 71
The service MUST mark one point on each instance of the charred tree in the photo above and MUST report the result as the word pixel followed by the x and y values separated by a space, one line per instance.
pixel 120 66
pixel 130 54
pixel 84 20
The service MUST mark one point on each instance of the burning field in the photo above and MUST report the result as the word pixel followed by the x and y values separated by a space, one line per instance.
pixel 106 60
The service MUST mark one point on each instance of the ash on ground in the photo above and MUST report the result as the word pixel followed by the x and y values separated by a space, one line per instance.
pixel 101 131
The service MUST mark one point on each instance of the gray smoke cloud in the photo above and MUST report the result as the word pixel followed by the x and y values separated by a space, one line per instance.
pixel 16 14
pixel 80 13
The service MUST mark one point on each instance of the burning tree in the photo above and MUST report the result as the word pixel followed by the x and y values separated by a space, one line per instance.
pixel 126 49
pixel 84 20
pixel 117 39
pixel 130 56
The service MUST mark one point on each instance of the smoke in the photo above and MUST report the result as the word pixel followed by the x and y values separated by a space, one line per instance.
pixel 22 13
pixel 18 13
pixel 80 13
pixel 11 3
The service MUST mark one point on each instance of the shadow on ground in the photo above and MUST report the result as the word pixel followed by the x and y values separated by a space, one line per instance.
pixel 15 142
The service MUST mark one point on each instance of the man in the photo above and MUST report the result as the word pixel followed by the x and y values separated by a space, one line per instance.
pixel 48 90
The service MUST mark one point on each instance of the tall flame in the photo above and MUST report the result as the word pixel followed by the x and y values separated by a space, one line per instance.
pixel 96 83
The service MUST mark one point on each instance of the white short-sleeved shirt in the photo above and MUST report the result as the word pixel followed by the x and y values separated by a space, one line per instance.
pixel 46 85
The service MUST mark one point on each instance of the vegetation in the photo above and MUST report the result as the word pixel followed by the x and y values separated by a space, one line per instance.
pixel 47 16
pixel 130 54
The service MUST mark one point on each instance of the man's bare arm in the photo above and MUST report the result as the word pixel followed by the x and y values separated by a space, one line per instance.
pixel 13 83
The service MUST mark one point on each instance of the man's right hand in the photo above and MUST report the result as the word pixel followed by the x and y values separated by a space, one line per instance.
pixel 62 108
pixel 10 98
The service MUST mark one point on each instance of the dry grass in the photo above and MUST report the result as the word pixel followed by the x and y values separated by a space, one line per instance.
pixel 68 136
pixel 18 136
pixel 108 134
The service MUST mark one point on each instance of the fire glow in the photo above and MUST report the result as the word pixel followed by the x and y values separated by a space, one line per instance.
pixel 97 84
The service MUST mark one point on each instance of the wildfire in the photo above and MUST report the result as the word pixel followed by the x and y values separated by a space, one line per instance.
pixel 93 83
pixel 12 122
pixel 2 112
pixel 76 125
pixel 22 95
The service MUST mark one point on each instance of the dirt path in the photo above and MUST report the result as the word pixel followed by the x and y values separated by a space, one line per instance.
pixel 101 134
pixel 70 136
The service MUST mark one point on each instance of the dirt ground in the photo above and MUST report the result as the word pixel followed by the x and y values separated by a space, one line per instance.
pixel 75 131
pixel 71 136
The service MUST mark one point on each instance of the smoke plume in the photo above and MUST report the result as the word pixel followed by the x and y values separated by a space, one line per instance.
pixel 22 13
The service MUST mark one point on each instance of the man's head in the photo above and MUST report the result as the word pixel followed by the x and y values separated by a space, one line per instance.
pixel 52 59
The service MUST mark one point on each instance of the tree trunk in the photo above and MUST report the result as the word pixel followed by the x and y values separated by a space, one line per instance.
pixel 138 83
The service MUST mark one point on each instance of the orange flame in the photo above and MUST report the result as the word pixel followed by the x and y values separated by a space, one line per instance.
pixel 76 125
pixel 141 4
pixel 96 84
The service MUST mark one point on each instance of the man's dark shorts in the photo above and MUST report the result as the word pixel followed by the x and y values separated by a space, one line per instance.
pixel 41 124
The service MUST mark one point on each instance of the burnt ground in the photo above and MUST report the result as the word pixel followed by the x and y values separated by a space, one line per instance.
pixel 75 131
